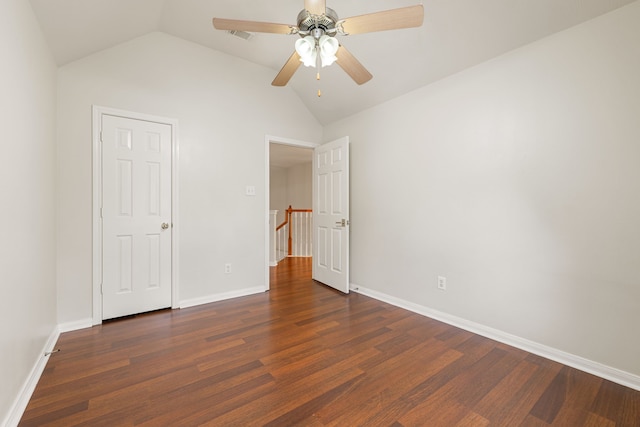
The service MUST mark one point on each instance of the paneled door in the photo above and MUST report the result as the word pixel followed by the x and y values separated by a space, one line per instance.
pixel 331 214
pixel 136 216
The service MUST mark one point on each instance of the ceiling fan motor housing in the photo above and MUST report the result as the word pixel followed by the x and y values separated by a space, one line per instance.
pixel 317 25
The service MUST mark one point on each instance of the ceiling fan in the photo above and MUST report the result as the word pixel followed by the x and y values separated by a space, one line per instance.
pixel 318 25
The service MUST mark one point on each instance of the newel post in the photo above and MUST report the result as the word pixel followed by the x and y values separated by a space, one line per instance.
pixel 290 242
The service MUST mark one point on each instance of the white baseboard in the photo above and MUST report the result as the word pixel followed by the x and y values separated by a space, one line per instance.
pixel 603 371
pixel 22 400
pixel 220 297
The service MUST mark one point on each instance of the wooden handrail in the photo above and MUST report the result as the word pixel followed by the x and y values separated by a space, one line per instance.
pixel 287 216
pixel 287 220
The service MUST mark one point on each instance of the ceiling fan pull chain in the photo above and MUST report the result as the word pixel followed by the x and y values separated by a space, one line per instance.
pixel 318 75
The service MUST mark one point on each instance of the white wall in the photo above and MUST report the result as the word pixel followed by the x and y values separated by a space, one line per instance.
pixel 518 180
pixel 225 107
pixel 290 186
pixel 278 191
pixel 299 184
pixel 27 185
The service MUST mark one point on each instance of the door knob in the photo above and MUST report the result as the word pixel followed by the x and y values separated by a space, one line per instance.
pixel 164 226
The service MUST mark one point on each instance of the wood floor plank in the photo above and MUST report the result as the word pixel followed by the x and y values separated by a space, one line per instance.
pixel 279 403
pixel 512 399
pixel 594 420
pixel 450 403
pixel 304 354
pixel 211 407
pixel 301 412
pixel 581 391
pixel 473 419
pixel 386 406
pixel 549 404
pixel 385 384
pixel 618 404
pixel 53 415
pixel 234 391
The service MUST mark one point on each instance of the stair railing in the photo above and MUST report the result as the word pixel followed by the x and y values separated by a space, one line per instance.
pixel 300 229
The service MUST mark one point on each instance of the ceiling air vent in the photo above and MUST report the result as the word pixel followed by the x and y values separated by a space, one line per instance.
pixel 242 34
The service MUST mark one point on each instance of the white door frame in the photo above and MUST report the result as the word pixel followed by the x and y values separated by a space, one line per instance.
pixel 268 139
pixel 97 113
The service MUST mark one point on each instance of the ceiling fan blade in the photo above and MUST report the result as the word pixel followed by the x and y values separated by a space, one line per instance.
pixel 352 66
pixel 287 71
pixel 315 7
pixel 404 17
pixel 253 26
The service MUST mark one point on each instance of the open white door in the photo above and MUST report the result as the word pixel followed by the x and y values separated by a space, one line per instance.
pixel 331 214
pixel 136 216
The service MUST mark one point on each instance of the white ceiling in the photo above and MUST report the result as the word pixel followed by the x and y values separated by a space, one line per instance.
pixel 456 34
pixel 285 156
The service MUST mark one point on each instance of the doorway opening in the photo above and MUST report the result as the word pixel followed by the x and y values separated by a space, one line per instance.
pixel 288 184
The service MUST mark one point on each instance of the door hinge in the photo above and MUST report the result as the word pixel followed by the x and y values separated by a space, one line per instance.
pixel 101 137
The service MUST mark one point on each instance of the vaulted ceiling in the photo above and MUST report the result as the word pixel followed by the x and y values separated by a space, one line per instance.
pixel 456 34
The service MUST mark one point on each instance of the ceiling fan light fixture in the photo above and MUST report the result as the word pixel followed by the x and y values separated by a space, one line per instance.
pixel 317 26
pixel 306 48
pixel 328 47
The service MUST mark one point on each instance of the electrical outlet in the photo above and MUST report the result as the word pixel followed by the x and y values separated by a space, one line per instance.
pixel 442 283
pixel 250 190
pixel 227 269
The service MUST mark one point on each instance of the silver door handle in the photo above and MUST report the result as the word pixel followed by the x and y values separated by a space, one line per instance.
pixel 342 223
pixel 164 226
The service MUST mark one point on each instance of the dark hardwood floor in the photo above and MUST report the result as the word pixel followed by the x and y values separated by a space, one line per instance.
pixel 306 355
